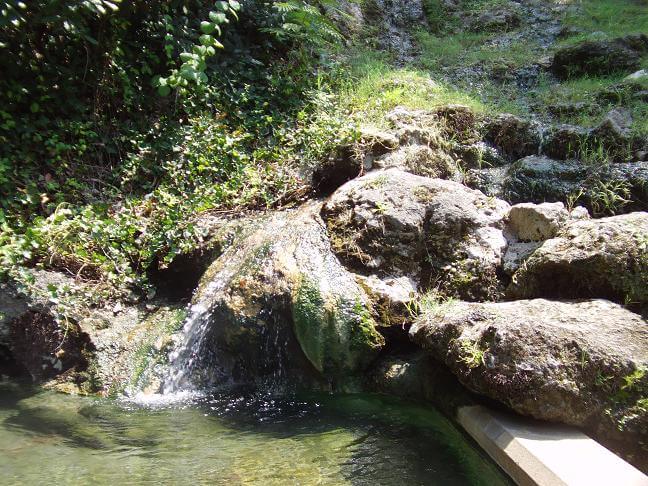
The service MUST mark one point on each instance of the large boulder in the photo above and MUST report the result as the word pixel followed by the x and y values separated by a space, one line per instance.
pixel 605 258
pixel 278 306
pixel 581 363
pixel 600 56
pixel 394 223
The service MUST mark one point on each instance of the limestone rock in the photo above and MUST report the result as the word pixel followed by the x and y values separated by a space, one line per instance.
pixel 393 223
pixel 498 20
pixel 279 304
pixel 514 136
pixel 581 363
pixel 420 160
pixel 615 129
pixel 537 222
pixel 606 258
pixel 600 56
pixel 516 254
pixel 532 179
pixel 540 179
pixel 637 76
pixel 565 141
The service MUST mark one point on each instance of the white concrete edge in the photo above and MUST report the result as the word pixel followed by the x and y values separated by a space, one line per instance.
pixel 537 453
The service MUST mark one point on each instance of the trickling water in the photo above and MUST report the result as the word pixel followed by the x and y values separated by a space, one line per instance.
pixel 187 355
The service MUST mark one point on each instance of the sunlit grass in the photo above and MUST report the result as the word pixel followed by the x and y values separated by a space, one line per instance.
pixel 611 17
pixel 376 88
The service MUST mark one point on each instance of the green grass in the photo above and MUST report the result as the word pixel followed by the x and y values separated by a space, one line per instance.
pixel 374 88
pixel 612 17
pixel 588 89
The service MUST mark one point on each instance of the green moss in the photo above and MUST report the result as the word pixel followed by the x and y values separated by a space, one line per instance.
pixel 153 350
pixel 337 335
pixel 311 322
pixel 363 328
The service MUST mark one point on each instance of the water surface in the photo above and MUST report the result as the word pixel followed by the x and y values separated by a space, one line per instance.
pixel 49 438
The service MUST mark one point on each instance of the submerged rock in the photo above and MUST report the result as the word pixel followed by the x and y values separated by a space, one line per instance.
pixel 581 363
pixel 600 56
pixel 394 223
pixel 605 258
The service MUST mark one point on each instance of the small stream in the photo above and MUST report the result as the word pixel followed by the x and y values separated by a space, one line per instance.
pixel 49 438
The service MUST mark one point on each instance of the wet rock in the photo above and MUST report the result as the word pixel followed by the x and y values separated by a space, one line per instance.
pixel 417 376
pixel 537 222
pixel 565 141
pixel 47 348
pixel 513 136
pixel 398 224
pixel 580 363
pixel 601 258
pixel 11 308
pixel 279 305
pixel 600 56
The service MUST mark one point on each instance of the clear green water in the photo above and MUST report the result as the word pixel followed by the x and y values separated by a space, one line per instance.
pixel 49 438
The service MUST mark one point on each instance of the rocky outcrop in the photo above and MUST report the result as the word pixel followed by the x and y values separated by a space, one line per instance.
pixel 515 137
pixel 394 223
pixel 279 306
pixel 603 189
pixel 605 258
pixel 581 363
pixel 538 222
pixel 600 56
pixel 498 20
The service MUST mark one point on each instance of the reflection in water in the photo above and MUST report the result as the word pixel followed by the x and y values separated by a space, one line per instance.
pixel 314 439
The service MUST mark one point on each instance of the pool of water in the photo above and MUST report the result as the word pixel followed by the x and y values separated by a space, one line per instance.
pixel 52 438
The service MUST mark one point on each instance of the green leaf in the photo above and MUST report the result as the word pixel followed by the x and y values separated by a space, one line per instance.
pixel 207 27
pixel 188 56
pixel 164 90
pixel 222 6
pixel 218 17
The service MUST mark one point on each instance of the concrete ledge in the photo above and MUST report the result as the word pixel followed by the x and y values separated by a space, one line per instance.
pixel 537 453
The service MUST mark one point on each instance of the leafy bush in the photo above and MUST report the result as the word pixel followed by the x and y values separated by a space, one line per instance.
pixel 101 176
